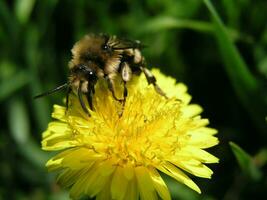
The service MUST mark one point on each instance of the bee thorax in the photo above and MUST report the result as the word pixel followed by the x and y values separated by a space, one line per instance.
pixel 137 56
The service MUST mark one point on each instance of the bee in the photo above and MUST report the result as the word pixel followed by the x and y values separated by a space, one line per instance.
pixel 101 56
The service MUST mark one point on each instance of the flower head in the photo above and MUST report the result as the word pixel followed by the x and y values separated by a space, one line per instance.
pixel 117 153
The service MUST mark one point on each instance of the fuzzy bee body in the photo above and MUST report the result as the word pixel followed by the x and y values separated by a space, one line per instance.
pixel 102 56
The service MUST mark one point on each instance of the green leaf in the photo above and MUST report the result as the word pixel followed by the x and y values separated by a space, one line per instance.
pixel 23 9
pixel 263 66
pixel 19 125
pixel 8 21
pixel 232 11
pixel 246 163
pixel 12 84
pixel 18 121
pixel 41 107
pixel 260 159
pixel 168 22
pixel 246 86
pixel 33 153
pixel 161 23
pixel 235 65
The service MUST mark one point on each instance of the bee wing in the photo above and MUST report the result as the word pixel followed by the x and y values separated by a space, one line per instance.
pixel 119 44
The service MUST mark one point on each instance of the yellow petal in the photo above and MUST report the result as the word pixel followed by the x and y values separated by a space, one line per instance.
pixel 68 177
pixel 177 174
pixel 58 136
pixel 75 158
pixel 97 181
pixel 159 184
pixel 118 184
pixel 57 130
pixel 200 155
pixel 54 164
pixel 207 131
pixel 128 171
pixel 59 113
pixel 191 110
pixel 202 140
pixel 145 184
pixel 194 167
pixel 107 167
pixel 77 190
pixel 59 127
pixel 57 145
pixel 79 158
pixel 181 88
pixel 169 86
pixel 132 191
pixel 200 122
pixel 104 194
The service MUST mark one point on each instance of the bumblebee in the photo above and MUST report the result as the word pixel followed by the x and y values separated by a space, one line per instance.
pixel 100 56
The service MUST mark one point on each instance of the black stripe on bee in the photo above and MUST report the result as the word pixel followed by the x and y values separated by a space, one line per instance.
pixel 93 58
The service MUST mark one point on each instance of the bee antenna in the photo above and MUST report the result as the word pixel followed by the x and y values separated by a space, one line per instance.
pixel 140 46
pixel 121 48
pixel 61 87
pixel 143 46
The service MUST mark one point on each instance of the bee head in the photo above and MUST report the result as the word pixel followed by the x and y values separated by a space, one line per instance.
pixel 86 72
pixel 106 48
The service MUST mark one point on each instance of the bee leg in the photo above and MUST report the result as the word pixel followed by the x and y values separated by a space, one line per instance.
pixel 152 80
pixel 111 88
pixel 80 96
pixel 67 97
pixel 93 90
pixel 89 96
pixel 123 101
pixel 125 92
pixel 126 74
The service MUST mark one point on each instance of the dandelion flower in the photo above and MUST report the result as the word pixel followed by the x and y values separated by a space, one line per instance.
pixel 120 156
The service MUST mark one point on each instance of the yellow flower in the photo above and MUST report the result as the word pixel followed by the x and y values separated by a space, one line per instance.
pixel 118 154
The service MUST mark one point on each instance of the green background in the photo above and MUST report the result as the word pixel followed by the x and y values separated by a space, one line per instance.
pixel 224 66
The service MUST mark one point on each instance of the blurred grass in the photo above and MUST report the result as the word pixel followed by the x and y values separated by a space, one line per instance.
pixel 249 168
pixel 245 84
pixel 218 48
